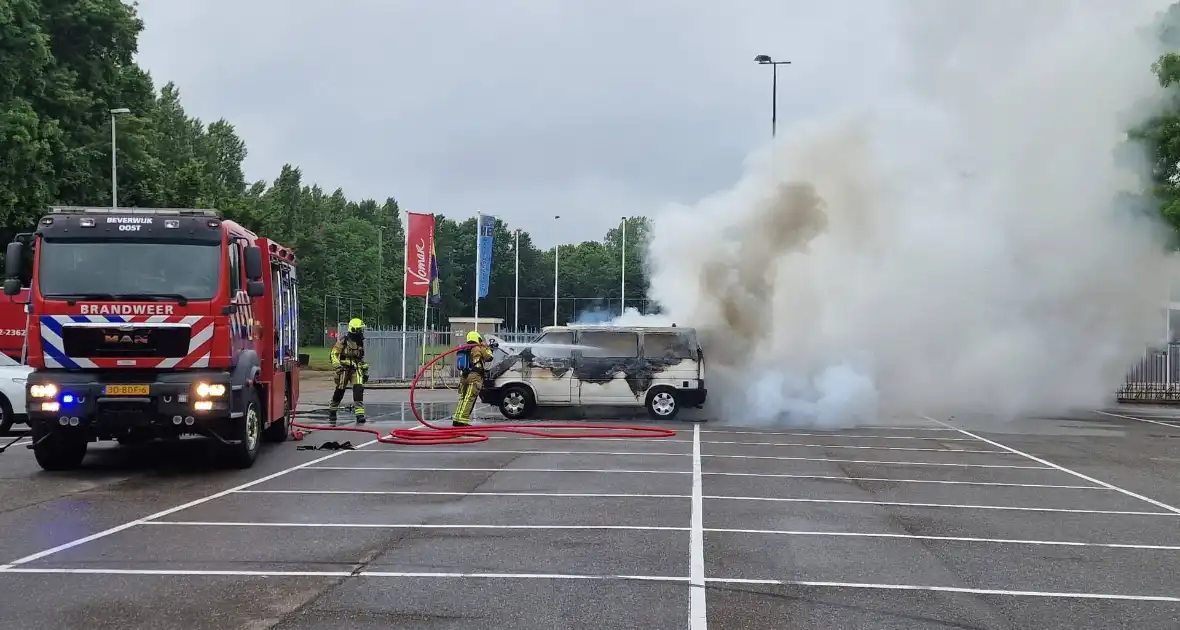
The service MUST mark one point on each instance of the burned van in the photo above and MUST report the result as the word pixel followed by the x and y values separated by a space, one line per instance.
pixel 659 368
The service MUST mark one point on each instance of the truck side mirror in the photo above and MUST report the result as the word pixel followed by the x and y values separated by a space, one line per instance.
pixel 12 264
pixel 253 263
pixel 11 286
pixel 254 288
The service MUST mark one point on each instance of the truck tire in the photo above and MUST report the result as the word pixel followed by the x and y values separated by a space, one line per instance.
pixel 59 450
pixel 280 429
pixel 248 431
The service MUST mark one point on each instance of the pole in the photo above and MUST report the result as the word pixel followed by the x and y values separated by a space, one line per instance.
pixel 426 300
pixel 623 275
pixel 478 256
pixel 405 278
pixel 114 166
pixel 380 272
pixel 773 99
pixel 556 252
pixel 516 303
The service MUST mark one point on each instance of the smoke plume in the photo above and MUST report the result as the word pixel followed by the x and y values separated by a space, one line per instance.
pixel 952 245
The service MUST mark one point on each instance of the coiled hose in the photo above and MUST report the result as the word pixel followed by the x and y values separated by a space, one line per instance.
pixel 434 434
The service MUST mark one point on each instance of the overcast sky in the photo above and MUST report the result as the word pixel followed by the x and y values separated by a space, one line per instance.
pixel 520 108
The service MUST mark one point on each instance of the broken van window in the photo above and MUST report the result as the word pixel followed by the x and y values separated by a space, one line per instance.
pixel 613 345
pixel 667 346
pixel 556 344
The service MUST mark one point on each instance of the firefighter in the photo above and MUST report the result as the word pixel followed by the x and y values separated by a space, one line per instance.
pixel 472 363
pixel 348 361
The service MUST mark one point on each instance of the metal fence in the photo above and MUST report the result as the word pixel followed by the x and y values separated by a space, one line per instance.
pixel 385 349
pixel 1155 379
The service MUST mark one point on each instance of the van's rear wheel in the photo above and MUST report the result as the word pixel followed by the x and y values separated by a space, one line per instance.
pixel 517 402
pixel 662 403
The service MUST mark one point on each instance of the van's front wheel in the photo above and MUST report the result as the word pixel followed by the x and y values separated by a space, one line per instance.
pixel 662 403
pixel 517 402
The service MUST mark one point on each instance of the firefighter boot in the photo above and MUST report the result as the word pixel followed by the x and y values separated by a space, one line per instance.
pixel 358 399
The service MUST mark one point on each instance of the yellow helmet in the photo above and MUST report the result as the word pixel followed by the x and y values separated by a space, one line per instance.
pixel 355 324
pixel 473 337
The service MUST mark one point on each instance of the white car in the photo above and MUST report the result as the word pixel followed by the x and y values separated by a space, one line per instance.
pixel 12 392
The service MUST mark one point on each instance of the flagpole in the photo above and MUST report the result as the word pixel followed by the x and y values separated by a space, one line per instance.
pixel 556 253
pixel 623 276
pixel 516 305
pixel 405 290
pixel 478 259
pixel 429 293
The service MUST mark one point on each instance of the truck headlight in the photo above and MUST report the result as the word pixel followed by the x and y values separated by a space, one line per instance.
pixel 207 390
pixel 43 390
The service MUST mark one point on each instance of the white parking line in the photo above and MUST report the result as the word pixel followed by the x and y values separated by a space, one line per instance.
pixel 349 574
pixel 590 577
pixel 892 480
pixel 940 505
pixel 654 528
pixel 625 471
pixel 947 589
pixel 857 446
pixel 604 495
pixel 697 616
pixel 840 432
pixel 842 436
pixel 107 532
pixel 1118 415
pixel 566 495
pixel 1079 475
pixel 426 451
pixel 792 444
pixel 963 539
pixel 658 528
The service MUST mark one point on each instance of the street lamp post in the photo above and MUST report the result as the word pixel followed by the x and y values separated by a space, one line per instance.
pixel 118 111
pixel 556 252
pixel 516 301
pixel 623 274
pixel 765 60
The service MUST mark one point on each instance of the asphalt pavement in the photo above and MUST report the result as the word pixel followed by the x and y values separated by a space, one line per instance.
pixel 961 522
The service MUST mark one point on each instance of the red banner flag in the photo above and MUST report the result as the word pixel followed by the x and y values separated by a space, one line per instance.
pixel 419 245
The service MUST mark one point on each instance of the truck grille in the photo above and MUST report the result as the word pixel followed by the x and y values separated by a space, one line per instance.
pixel 140 342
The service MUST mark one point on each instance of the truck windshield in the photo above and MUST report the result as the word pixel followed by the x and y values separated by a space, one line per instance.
pixel 112 270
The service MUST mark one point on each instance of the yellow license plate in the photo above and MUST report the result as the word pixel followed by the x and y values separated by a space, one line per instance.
pixel 126 390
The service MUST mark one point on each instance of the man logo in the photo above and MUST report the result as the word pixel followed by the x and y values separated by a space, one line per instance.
pixel 125 339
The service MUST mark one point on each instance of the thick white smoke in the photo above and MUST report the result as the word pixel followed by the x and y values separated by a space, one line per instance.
pixel 952 246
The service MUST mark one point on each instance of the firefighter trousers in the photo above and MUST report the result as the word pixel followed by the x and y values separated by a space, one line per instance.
pixel 469 386
pixel 345 377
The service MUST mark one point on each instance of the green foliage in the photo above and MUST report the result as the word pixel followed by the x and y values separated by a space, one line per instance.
pixel 64 64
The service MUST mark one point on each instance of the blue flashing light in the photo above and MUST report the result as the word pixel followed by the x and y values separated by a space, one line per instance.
pixel 67 399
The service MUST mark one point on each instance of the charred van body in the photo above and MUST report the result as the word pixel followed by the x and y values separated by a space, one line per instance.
pixel 660 368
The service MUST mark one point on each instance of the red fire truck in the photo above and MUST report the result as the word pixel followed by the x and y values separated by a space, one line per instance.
pixel 155 323
pixel 13 322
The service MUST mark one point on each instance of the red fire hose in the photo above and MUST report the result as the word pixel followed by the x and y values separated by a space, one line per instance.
pixel 434 434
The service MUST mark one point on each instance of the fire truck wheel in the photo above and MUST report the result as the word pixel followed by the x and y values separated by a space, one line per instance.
pixel 279 429
pixel 59 450
pixel 249 432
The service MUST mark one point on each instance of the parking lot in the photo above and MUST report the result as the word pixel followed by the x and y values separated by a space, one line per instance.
pixel 927 523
